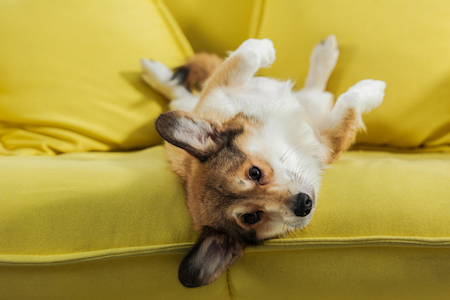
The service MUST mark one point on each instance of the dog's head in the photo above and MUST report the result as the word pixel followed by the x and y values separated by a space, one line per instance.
pixel 248 181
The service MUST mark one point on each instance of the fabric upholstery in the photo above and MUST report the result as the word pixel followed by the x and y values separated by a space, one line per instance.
pixel 81 210
pixel 114 225
pixel 405 43
pixel 214 26
pixel 70 74
pixel 133 278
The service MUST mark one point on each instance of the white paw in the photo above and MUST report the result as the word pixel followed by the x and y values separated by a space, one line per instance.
pixel 262 50
pixel 365 95
pixel 155 72
pixel 325 54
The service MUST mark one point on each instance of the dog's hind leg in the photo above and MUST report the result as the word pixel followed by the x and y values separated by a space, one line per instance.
pixel 162 80
pixel 322 61
pixel 338 130
pixel 313 97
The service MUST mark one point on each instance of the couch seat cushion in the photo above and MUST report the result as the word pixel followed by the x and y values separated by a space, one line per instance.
pixel 85 206
pixel 73 205
pixel 70 74
pixel 114 225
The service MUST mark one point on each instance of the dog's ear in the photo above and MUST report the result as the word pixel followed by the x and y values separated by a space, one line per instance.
pixel 199 137
pixel 213 253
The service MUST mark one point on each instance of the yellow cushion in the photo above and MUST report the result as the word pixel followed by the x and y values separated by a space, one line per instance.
pixel 67 205
pixel 70 74
pixel 74 225
pixel 213 26
pixel 406 43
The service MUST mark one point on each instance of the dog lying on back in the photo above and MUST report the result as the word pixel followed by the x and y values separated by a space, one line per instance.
pixel 251 150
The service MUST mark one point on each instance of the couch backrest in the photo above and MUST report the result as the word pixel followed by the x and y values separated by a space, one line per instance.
pixel 213 26
pixel 70 74
pixel 405 43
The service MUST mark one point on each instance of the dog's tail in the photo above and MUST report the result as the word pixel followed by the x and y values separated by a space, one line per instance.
pixel 197 69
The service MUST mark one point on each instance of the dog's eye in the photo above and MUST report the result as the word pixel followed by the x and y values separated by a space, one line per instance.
pixel 251 218
pixel 254 173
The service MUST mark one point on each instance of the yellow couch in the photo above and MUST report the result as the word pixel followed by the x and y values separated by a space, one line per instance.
pixel 90 210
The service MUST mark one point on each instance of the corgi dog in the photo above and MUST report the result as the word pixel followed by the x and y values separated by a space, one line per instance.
pixel 251 150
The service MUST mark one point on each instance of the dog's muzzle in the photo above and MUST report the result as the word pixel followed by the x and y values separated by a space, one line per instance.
pixel 303 205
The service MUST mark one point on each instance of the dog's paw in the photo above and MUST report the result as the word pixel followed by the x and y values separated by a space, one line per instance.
pixel 260 49
pixel 154 72
pixel 365 95
pixel 325 54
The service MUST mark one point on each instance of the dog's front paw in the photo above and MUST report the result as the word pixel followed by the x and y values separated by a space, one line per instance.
pixel 261 50
pixel 365 95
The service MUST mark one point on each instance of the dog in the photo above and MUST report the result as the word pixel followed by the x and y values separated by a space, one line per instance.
pixel 251 150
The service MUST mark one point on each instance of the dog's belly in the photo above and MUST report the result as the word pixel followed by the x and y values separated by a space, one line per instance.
pixel 262 96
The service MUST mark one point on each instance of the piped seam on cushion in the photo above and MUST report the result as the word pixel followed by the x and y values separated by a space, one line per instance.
pixel 395 149
pixel 330 242
pixel 270 246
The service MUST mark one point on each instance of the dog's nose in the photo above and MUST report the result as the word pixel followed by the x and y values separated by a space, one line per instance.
pixel 303 205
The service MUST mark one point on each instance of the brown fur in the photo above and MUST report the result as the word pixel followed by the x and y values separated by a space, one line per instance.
pixel 210 157
pixel 341 137
pixel 199 68
pixel 213 195
pixel 206 193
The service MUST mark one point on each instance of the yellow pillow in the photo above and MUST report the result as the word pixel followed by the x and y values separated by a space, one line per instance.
pixel 405 43
pixel 69 74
